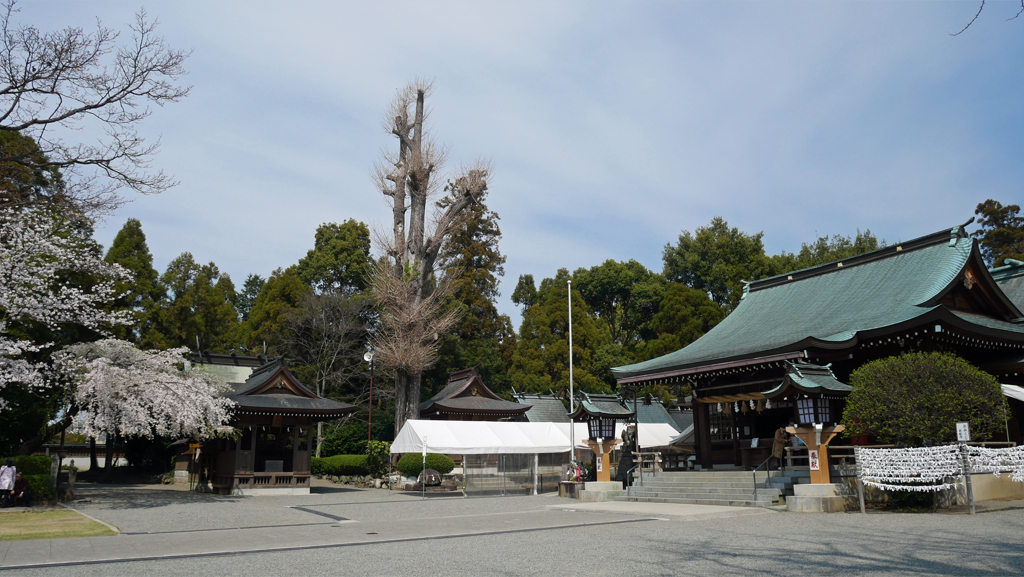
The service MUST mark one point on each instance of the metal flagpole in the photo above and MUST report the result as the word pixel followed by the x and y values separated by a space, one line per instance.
pixel 572 402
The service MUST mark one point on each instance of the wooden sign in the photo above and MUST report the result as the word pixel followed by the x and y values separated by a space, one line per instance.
pixel 194 445
pixel 600 464
pixel 812 457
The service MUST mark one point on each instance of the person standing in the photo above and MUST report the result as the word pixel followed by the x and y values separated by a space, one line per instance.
pixel 779 445
pixel 7 474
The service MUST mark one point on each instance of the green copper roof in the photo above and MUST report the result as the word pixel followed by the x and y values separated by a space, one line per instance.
pixel 609 406
pixel 814 379
pixel 1010 278
pixel 828 306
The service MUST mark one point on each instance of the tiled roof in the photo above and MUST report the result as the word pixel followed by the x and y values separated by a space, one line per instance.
pixel 827 306
pixel 652 413
pixel 453 397
pixel 813 379
pixel 283 404
pixel 543 408
pixel 600 405
pixel 1010 278
pixel 683 419
pixel 478 405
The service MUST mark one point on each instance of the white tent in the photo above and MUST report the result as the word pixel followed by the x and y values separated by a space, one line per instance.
pixel 1014 392
pixel 480 437
pixel 489 437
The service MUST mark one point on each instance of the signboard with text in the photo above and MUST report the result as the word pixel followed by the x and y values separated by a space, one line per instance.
pixel 963 432
pixel 812 457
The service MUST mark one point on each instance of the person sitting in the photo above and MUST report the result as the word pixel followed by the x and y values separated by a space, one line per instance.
pixel 20 492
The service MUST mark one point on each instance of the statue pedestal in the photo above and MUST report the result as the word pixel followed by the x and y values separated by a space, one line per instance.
pixel 817 441
pixel 602 461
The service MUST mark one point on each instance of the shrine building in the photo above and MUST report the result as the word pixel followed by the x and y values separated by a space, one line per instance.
pixel 275 415
pixel 467 398
pixel 789 347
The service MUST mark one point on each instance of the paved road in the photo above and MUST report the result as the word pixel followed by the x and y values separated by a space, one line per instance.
pixel 373 533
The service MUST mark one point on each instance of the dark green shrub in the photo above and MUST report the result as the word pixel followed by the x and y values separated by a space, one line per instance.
pixel 349 439
pixel 917 399
pixel 31 464
pixel 411 464
pixel 340 465
pixel 912 500
pixel 377 455
pixel 39 488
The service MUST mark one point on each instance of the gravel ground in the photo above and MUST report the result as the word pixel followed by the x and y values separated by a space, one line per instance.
pixel 783 544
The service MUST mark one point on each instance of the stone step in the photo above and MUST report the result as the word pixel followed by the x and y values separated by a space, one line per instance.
pixel 769 493
pixel 687 501
pixel 698 484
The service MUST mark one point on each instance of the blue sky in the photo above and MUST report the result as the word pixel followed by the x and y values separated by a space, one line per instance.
pixel 611 126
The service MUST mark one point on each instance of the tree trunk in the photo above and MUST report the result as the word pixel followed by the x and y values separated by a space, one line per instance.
pixel 407 397
pixel 108 466
pixel 33 444
pixel 94 463
pixel 319 437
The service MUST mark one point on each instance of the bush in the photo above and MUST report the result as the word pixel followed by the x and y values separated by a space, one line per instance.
pixel 39 488
pixel 31 464
pixel 377 455
pixel 916 399
pixel 411 464
pixel 340 465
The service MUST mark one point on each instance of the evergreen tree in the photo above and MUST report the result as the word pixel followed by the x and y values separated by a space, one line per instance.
pixel 825 250
pixel 281 295
pixel 541 359
pixel 625 295
pixel 716 259
pixel 247 296
pixel 1002 232
pixel 683 316
pixel 483 337
pixel 144 293
pixel 340 259
pixel 200 305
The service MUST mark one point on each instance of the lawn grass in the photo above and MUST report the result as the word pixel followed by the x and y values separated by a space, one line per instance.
pixel 51 524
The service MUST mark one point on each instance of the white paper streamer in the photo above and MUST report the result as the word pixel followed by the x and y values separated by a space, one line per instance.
pixel 996 461
pixel 912 469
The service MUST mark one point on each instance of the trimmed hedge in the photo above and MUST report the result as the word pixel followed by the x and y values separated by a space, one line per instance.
pixel 340 465
pixel 30 464
pixel 39 487
pixel 411 464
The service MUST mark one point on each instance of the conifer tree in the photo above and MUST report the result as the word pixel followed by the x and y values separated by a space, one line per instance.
pixel 200 306
pixel 142 296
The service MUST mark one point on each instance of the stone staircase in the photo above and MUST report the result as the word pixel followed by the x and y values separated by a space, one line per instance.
pixel 730 488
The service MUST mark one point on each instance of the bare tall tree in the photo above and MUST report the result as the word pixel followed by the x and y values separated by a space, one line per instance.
pixel 404 283
pixel 55 83
pixel 326 337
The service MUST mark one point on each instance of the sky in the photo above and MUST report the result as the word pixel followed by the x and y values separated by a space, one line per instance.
pixel 611 126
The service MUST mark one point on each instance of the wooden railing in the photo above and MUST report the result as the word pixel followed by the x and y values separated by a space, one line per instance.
pixel 263 481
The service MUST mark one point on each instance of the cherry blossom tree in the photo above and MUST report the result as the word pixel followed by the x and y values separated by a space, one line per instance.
pixel 38 254
pixel 115 387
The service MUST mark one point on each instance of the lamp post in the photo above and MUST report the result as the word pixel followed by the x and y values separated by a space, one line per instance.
pixel 368 357
pixel 572 403
pixel 602 441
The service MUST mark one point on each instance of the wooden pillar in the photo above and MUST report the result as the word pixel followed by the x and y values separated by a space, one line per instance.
pixel 737 459
pixel 702 415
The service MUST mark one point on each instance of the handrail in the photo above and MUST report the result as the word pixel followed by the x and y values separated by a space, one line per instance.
pixel 633 468
pixel 767 472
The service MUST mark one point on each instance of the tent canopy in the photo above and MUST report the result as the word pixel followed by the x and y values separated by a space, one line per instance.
pixel 1014 392
pixel 487 437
